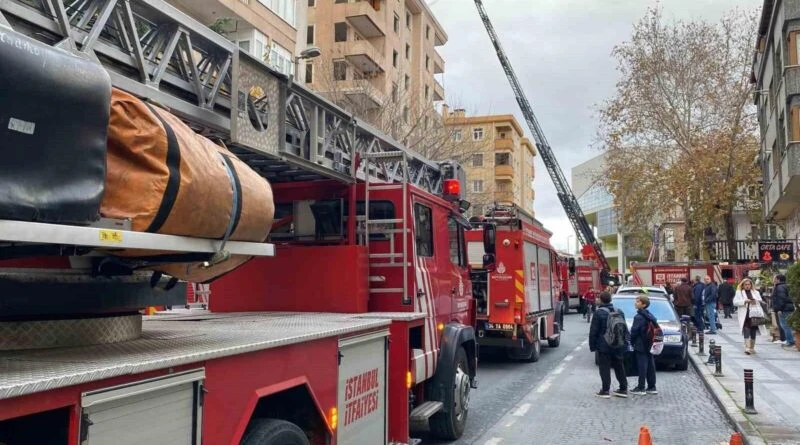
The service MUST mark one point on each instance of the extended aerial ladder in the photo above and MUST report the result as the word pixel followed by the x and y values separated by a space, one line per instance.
pixel 571 207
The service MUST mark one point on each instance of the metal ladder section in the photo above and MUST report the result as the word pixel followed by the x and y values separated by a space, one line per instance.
pixel 379 260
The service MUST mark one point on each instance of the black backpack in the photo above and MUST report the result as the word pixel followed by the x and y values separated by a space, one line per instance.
pixel 616 334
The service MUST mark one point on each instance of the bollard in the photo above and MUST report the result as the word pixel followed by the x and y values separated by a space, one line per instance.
pixel 718 361
pixel 700 350
pixel 749 403
pixel 711 345
pixel 694 334
pixel 736 439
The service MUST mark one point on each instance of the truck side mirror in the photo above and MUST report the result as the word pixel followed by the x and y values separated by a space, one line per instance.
pixel 489 236
pixel 488 262
pixel 571 263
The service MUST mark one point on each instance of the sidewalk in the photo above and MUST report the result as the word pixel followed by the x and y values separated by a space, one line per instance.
pixel 776 390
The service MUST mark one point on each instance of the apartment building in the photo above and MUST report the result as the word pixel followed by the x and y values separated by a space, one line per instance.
pixel 376 53
pixel 776 75
pixel 267 29
pixel 499 159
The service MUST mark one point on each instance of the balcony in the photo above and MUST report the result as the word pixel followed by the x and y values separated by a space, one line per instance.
pixel 363 55
pixel 504 172
pixel 746 250
pixel 504 197
pixel 362 93
pixel 438 63
pixel 438 91
pixel 783 193
pixel 506 144
pixel 363 18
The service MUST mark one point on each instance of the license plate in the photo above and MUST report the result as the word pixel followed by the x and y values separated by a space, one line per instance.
pixel 500 326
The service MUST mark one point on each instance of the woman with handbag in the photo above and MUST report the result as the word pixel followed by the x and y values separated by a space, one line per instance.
pixel 750 314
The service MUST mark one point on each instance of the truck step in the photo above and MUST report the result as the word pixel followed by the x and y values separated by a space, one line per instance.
pixel 421 414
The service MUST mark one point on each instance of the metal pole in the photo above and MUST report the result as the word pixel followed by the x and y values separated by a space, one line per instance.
pixel 700 350
pixel 694 333
pixel 718 361
pixel 712 345
pixel 748 392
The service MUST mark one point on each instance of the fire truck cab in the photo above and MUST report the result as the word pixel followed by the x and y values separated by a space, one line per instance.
pixel 514 283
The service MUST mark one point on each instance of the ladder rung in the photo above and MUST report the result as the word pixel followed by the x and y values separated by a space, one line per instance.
pixel 386 290
pixel 383 231
pixel 385 221
pixel 374 188
pixel 376 279
pixel 386 255
pixel 383 155
pixel 388 264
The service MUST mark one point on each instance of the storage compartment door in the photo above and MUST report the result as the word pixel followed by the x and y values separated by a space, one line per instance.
pixel 162 411
pixel 545 280
pixel 475 254
pixel 362 389
pixel 532 284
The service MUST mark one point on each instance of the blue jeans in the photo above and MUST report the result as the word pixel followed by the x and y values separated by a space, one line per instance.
pixel 787 330
pixel 711 310
pixel 698 318
pixel 647 370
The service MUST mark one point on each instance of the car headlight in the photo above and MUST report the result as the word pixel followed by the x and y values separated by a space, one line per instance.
pixel 672 339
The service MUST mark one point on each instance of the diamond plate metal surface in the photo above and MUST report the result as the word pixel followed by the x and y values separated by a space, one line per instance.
pixel 15 335
pixel 170 341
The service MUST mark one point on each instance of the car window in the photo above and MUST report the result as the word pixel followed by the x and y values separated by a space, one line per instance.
pixel 661 309
pixel 639 291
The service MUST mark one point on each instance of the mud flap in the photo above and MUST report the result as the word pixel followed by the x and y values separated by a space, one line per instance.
pixel 454 336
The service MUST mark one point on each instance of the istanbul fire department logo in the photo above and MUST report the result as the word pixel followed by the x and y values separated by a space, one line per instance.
pixel 501 268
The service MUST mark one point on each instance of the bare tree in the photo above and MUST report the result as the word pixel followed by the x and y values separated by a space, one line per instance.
pixel 681 130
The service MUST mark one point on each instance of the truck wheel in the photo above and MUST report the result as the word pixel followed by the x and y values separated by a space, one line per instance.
pixel 273 432
pixel 529 352
pixel 554 342
pixel 450 425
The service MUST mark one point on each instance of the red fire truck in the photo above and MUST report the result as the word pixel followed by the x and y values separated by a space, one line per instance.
pixel 354 322
pixel 653 274
pixel 514 283
pixel 577 276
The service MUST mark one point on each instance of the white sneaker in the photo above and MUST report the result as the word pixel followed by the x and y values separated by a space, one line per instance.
pixel 776 341
pixel 783 343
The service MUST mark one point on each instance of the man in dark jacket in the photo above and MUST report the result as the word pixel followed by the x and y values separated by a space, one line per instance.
pixel 697 293
pixel 608 357
pixel 683 298
pixel 782 305
pixel 710 302
pixel 725 293
pixel 641 346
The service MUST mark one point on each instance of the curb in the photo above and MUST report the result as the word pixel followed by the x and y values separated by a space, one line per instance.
pixel 736 418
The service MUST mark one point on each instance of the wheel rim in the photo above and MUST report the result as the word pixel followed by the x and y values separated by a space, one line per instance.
pixel 461 393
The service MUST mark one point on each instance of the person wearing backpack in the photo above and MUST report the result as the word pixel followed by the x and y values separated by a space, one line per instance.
pixel 609 337
pixel 644 332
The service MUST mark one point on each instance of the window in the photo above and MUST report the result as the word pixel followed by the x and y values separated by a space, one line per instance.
pixel 477 134
pixel 477 160
pixel 395 56
pixel 340 32
pixel 457 135
pixel 284 9
pixel 502 159
pixel 407 82
pixel 244 45
pixel 423 228
pixel 396 23
pixel 405 114
pixel 408 20
pixel 477 186
pixel 339 70
pixel 341 1
pixel 427 62
pixel 408 51
pixel 281 59
pixel 309 73
pixel 456 241
pixel 312 3
pixel 394 92
pixel 257 47
pixel 310 35
pixel 427 32
pixel 427 91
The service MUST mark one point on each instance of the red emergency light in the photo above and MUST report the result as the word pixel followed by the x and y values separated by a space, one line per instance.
pixel 451 188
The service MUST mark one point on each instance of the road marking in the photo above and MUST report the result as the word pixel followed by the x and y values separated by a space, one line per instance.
pixel 559 369
pixel 519 412
pixel 511 422
pixel 545 385
pixel 493 441
pixel 569 357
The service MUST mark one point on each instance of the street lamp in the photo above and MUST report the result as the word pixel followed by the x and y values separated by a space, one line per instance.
pixel 309 53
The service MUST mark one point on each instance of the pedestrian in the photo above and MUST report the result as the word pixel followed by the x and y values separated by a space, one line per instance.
pixel 641 341
pixel 609 355
pixel 588 301
pixel 747 298
pixel 697 294
pixel 668 289
pixel 683 298
pixel 726 292
pixel 782 305
pixel 710 303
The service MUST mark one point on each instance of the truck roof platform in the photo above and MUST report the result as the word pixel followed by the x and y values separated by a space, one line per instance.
pixel 174 340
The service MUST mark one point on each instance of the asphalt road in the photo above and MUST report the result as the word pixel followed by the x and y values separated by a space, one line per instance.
pixel 552 401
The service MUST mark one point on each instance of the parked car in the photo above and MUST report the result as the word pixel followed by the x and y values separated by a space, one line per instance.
pixel 676 342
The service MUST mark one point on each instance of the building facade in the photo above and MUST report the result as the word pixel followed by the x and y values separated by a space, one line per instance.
pixel 376 53
pixel 498 159
pixel 267 29
pixel 776 74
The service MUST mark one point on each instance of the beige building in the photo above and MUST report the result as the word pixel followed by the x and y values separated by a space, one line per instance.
pixel 378 52
pixel 500 164
pixel 268 29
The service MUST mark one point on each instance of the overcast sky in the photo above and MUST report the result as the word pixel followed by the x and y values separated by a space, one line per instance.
pixel 560 50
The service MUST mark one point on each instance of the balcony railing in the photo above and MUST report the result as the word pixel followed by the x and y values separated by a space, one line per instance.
pixel 504 172
pixel 438 63
pixel 719 250
pixel 504 144
pixel 363 18
pixel 362 54
pixel 438 91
